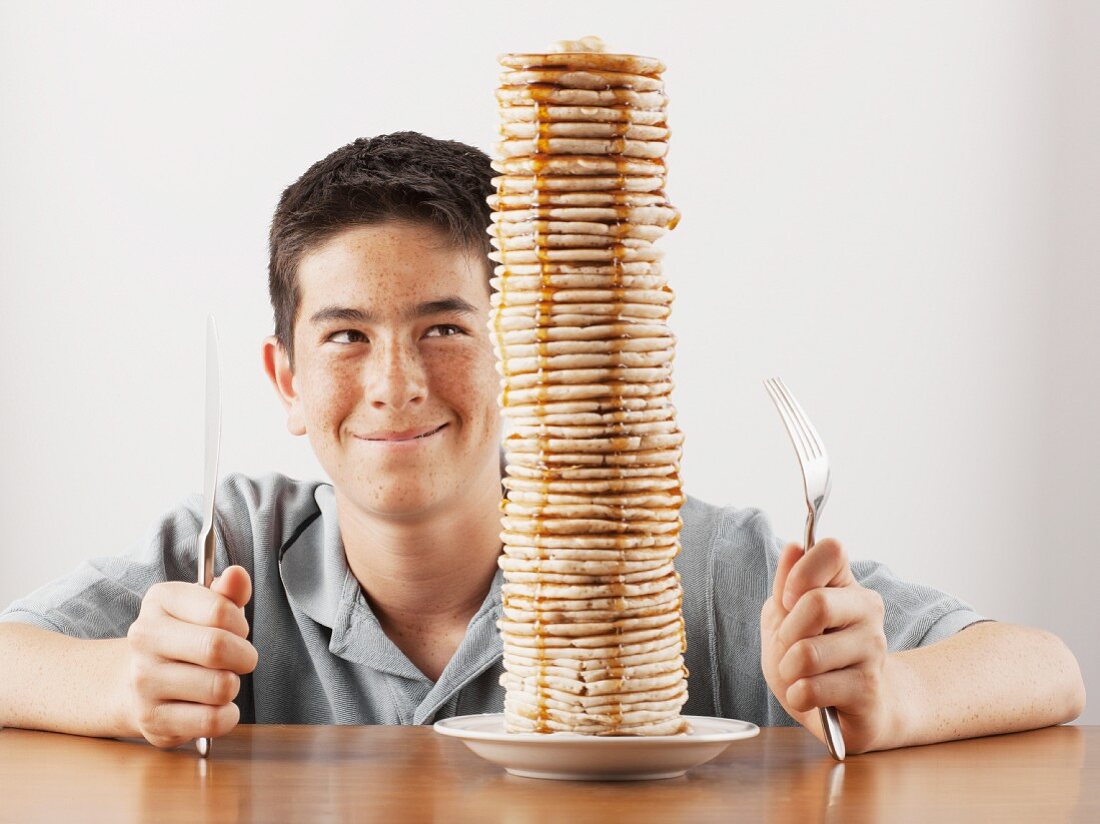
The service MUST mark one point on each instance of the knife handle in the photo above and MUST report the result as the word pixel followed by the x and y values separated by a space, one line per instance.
pixel 207 544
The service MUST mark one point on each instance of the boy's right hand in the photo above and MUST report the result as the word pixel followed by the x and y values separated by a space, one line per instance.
pixel 188 648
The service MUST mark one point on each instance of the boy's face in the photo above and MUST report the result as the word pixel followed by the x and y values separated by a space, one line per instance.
pixel 394 378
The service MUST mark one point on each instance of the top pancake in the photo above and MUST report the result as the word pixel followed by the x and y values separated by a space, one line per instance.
pixel 584 60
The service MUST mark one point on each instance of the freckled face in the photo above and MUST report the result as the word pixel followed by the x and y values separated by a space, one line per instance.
pixel 395 375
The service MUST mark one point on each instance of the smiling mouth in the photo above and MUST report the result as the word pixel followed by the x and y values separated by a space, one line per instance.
pixel 419 437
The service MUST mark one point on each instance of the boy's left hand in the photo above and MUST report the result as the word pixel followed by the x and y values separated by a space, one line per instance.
pixel 823 645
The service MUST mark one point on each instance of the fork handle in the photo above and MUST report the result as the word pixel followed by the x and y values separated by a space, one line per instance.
pixel 830 722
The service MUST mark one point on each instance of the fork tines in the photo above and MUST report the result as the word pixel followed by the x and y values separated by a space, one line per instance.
pixel 806 441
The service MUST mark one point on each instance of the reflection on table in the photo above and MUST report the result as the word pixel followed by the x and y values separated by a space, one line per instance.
pixel 289 773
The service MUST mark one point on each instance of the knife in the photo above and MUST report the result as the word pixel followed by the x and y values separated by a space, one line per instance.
pixel 207 540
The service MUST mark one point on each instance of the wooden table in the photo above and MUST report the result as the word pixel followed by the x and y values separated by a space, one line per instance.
pixel 283 773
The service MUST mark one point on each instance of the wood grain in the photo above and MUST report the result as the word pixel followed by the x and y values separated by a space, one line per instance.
pixel 302 773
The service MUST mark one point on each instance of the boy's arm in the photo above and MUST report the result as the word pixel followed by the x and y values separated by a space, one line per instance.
pixel 53 682
pixel 990 678
pixel 823 644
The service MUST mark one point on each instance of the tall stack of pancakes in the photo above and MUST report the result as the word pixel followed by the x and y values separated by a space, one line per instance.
pixel 592 627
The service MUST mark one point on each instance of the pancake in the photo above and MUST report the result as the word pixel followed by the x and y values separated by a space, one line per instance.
pixel 510 298
pixel 565 348
pixel 648 500
pixel 531 197
pixel 586 53
pixel 542 111
pixel 571 233
pixel 562 235
pixel 581 79
pixel 615 146
pixel 611 185
pixel 586 164
pixel 606 431
pixel 659 215
pixel 518 129
pixel 647 485
pixel 613 329
pixel 597 360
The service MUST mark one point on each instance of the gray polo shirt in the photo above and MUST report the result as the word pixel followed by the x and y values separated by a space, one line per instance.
pixel 324 659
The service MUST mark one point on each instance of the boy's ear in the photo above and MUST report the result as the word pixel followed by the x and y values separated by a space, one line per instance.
pixel 279 372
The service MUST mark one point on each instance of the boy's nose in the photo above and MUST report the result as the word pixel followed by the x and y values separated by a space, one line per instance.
pixel 398 381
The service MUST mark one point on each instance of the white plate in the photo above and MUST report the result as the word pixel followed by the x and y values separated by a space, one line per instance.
pixel 569 756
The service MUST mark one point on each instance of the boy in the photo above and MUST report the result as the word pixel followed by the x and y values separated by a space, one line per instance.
pixel 373 599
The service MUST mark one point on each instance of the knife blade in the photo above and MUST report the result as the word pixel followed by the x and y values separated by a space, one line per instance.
pixel 207 540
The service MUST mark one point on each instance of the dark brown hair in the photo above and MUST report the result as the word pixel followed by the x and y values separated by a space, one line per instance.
pixel 401 176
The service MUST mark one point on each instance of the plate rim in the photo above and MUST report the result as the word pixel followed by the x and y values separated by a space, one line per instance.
pixel 446 726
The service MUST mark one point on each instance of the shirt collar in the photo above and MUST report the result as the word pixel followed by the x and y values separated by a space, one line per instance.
pixel 318 583
pixel 312 564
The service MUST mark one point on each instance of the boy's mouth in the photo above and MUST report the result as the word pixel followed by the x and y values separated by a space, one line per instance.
pixel 405 435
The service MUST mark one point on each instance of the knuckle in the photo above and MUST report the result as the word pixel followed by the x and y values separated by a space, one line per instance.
pixel 208 721
pixel 785 636
pixel 228 717
pixel 223 686
pixel 771 613
pixel 160 594
pixel 879 645
pixel 220 614
pixel 767 612
pixel 154 596
pixel 790 668
pixel 141 679
pixel 817 605
pixel 251 659
pixel 214 647
pixel 798 696
pixel 871 680
pixel 138 635
pixel 811 693
pixel 217 721
pixel 798 662
pixel 148 717
pixel 808 656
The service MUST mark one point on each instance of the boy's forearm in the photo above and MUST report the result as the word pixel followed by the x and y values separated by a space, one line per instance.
pixel 53 682
pixel 990 678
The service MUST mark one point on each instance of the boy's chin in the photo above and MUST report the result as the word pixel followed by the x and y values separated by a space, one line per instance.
pixel 403 503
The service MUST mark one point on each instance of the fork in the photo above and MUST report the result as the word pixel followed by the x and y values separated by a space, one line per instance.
pixel 816 483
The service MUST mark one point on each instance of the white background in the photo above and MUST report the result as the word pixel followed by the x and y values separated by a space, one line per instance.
pixel 895 207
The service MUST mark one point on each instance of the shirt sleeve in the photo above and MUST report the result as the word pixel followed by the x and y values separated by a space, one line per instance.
pixel 916 615
pixel 102 597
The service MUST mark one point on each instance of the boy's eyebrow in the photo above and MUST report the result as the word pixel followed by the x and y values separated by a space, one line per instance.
pixel 330 313
pixel 452 304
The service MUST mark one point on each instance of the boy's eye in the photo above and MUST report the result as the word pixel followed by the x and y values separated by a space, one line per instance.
pixel 347 336
pixel 444 330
